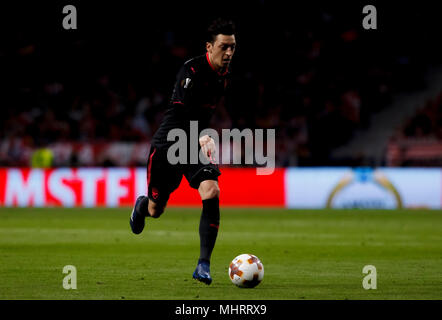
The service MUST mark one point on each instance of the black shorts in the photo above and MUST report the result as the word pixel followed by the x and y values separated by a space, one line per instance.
pixel 163 178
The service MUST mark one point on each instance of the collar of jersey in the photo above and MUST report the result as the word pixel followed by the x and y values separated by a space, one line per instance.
pixel 219 73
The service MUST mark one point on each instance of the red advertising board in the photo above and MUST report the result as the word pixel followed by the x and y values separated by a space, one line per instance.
pixel 115 187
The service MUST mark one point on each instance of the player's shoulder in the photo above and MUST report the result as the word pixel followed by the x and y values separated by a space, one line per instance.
pixel 195 65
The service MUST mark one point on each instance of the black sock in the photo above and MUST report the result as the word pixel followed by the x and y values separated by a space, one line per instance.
pixel 143 207
pixel 208 229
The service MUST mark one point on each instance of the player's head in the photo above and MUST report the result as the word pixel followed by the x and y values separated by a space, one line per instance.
pixel 221 43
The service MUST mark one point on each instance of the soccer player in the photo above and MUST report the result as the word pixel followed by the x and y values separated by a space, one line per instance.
pixel 200 84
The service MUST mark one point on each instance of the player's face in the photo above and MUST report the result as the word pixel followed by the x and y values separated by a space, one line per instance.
pixel 221 50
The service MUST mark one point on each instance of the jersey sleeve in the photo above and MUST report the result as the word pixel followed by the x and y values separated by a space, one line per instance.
pixel 184 85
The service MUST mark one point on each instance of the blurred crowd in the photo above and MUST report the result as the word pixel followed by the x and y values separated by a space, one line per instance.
pixel 315 76
pixel 426 124
pixel 418 142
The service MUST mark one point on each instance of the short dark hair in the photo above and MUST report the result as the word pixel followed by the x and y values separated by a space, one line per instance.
pixel 220 26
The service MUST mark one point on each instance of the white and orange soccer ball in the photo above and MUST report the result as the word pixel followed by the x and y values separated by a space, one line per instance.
pixel 246 271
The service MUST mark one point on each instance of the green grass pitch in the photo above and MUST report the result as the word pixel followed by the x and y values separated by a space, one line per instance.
pixel 307 254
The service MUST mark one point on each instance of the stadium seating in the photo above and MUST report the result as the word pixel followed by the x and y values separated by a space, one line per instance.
pixel 320 89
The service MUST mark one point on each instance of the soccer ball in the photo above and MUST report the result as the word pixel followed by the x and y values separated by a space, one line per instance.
pixel 246 271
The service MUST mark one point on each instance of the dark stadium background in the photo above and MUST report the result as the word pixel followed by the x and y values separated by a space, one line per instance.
pixel 349 105
pixel 308 70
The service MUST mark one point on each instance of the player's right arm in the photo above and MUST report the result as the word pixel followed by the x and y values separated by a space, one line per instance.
pixel 184 85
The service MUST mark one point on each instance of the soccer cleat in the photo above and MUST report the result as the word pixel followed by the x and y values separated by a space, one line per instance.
pixel 202 272
pixel 137 219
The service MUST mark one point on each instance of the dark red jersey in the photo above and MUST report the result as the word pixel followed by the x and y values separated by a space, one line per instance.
pixel 197 91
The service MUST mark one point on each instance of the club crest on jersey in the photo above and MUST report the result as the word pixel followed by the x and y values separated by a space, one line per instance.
pixel 186 83
pixel 155 193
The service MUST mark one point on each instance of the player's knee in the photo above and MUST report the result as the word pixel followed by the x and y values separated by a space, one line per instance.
pixel 209 190
pixel 214 192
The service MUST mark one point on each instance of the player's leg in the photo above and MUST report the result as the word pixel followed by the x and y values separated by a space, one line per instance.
pixel 208 228
pixel 143 208
pixel 162 180
pixel 155 209
pixel 209 222
pixel 204 178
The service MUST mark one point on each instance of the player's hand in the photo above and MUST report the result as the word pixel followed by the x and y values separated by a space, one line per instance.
pixel 208 147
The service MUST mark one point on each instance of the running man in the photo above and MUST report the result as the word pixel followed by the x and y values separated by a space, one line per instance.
pixel 200 84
